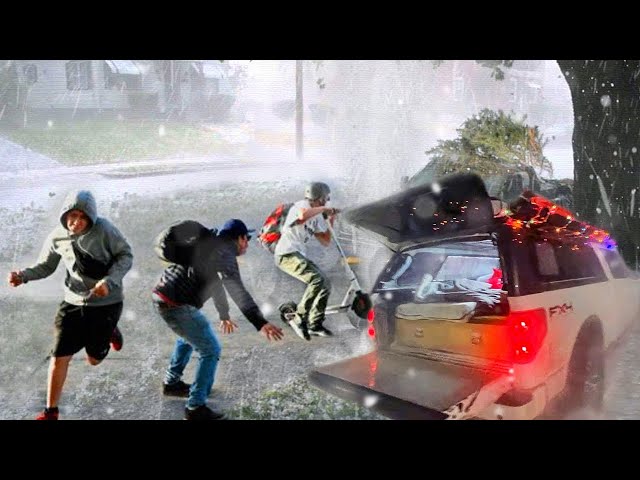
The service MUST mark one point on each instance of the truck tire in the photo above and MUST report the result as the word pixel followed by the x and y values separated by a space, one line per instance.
pixel 586 375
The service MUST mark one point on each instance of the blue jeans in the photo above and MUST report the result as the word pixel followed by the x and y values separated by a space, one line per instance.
pixel 194 332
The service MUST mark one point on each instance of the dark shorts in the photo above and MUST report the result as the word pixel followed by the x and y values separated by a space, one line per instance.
pixel 85 327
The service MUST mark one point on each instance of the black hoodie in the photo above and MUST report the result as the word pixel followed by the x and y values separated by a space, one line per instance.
pixel 215 265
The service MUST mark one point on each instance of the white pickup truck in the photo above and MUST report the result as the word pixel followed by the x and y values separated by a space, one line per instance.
pixel 485 311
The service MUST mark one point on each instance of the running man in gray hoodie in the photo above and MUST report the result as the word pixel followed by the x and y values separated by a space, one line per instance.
pixel 97 257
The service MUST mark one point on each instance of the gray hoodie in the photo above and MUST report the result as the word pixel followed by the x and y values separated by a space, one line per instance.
pixel 100 252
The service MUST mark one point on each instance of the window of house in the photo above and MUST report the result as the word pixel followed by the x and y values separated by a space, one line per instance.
pixel 78 75
pixel 30 73
pixel 115 79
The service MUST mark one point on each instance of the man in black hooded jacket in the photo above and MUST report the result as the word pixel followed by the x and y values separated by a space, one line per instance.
pixel 180 294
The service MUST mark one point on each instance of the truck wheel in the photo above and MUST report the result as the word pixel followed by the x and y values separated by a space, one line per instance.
pixel 585 380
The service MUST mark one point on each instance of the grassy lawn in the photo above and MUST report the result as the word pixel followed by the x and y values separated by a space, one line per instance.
pixel 107 141
pixel 297 400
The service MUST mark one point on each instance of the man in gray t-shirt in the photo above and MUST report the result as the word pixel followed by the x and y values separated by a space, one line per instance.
pixel 304 221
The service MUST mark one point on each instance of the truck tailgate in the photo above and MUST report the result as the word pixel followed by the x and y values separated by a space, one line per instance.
pixel 407 387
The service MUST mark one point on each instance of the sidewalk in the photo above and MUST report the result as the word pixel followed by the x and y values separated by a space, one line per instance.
pixel 14 157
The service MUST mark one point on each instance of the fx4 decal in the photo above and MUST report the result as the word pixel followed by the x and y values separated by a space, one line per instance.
pixel 561 309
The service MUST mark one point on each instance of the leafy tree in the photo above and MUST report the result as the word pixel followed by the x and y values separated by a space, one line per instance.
pixel 489 142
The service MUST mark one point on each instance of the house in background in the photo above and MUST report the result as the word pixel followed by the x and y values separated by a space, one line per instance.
pixel 467 87
pixel 197 89
pixel 179 89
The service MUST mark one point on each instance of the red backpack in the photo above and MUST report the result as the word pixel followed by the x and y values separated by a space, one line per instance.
pixel 271 229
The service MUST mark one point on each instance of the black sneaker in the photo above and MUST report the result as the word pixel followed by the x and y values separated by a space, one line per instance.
pixel 300 328
pixel 202 413
pixel 176 389
pixel 320 331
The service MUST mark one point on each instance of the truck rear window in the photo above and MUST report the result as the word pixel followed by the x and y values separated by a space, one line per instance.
pixel 453 272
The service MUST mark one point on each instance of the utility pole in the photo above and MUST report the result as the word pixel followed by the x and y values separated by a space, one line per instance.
pixel 299 111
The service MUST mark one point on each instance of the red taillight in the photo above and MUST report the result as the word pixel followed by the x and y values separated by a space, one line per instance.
pixel 371 315
pixel 526 332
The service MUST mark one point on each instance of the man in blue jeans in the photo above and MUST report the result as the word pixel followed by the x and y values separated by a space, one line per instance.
pixel 178 298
